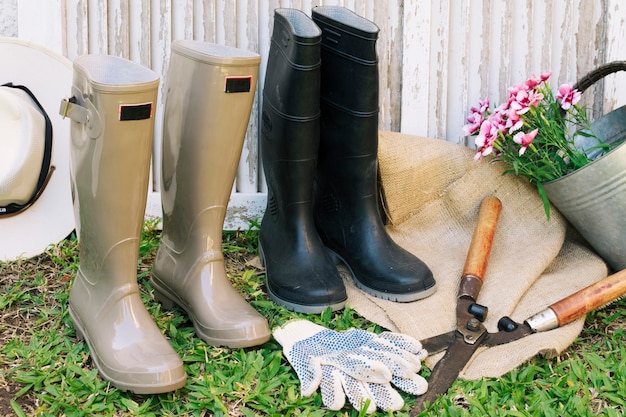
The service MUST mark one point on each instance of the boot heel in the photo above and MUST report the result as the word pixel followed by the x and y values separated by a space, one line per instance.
pixel 163 299
pixel 77 327
pixel 261 255
pixel 79 335
pixel 333 257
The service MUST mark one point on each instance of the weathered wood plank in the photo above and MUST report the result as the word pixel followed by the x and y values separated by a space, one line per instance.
pixel 437 58
pixel 76 28
pixel 140 33
pixel 388 17
pixel 118 21
pixel 615 50
pixel 98 35
pixel 415 68
pixel 41 23
pixel 248 39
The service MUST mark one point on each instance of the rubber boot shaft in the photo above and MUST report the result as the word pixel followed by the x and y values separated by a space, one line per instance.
pixel 347 211
pixel 110 166
pixel 300 273
pixel 209 95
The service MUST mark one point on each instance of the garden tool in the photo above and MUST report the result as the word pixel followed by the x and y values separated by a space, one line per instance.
pixel 355 363
pixel 346 206
pixel 300 273
pixel 111 109
pixel 209 94
pixel 470 334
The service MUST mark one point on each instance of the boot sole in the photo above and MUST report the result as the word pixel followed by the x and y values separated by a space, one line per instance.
pixel 293 306
pixel 301 308
pixel 81 334
pixel 400 298
pixel 168 300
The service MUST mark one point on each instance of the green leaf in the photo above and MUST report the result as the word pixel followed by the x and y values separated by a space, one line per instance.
pixel 544 199
pixel 18 410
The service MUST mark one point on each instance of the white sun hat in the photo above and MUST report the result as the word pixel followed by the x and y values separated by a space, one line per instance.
pixel 35 192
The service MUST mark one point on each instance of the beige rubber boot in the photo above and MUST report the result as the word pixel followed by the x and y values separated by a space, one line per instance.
pixel 111 143
pixel 210 90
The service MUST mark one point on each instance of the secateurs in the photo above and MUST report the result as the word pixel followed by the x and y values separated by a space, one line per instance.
pixel 470 333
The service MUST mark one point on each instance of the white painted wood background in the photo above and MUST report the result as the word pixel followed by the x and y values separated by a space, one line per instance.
pixel 437 57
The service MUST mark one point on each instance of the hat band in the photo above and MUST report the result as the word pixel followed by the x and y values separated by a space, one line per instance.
pixel 46 169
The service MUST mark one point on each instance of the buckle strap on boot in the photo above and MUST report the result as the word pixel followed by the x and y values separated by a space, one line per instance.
pixel 85 115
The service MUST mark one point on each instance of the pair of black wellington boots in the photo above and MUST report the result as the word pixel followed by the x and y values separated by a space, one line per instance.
pixel 319 145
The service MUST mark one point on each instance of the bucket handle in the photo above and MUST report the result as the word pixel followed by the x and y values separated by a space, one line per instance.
pixel 597 74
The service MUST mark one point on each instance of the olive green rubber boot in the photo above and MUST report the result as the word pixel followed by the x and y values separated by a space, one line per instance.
pixel 209 95
pixel 111 144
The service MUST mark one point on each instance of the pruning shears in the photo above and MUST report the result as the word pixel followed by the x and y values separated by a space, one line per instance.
pixel 470 333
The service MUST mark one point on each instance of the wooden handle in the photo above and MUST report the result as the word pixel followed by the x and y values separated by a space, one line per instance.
pixel 482 239
pixel 588 299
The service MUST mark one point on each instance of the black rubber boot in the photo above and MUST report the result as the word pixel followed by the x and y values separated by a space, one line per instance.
pixel 346 210
pixel 300 273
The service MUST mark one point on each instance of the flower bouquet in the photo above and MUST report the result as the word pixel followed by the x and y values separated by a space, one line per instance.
pixel 535 132
pixel 578 166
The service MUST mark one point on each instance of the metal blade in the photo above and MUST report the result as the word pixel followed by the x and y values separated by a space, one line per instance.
pixel 446 371
pixel 439 343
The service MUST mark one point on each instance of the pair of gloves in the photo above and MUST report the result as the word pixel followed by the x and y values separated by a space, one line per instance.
pixel 354 363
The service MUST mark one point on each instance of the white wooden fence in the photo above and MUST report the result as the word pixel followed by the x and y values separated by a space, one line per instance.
pixel 437 57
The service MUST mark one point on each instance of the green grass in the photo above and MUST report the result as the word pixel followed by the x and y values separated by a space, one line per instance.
pixel 46 371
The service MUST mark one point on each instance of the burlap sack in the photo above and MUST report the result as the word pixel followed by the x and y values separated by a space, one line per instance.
pixel 433 192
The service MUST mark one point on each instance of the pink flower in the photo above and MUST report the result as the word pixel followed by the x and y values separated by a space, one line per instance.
pixel 533 81
pixel 485 139
pixel 568 96
pixel 474 120
pixel 483 105
pixel 513 91
pixel 505 132
pixel 476 117
pixel 498 120
pixel 534 98
pixel 523 100
pixel 514 122
pixel 525 139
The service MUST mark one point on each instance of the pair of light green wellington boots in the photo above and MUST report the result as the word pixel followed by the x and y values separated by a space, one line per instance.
pixel 208 98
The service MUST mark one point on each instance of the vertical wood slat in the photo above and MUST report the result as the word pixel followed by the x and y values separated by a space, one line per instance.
pixel 487 46
pixel 415 68
pixel 158 19
pixel 615 85
pixel 139 36
pixel 35 25
pixel 437 58
pixel 247 38
pixel 439 33
pixel 387 16
pixel 118 19
pixel 75 34
pixel 97 30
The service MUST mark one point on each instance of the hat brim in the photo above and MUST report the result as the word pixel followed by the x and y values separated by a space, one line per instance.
pixel 51 218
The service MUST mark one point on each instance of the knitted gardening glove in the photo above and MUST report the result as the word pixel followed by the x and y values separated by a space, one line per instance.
pixel 355 363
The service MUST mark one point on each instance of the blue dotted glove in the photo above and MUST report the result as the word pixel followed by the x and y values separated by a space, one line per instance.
pixel 355 363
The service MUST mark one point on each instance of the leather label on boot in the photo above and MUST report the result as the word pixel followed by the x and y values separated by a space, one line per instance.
pixel 135 111
pixel 238 84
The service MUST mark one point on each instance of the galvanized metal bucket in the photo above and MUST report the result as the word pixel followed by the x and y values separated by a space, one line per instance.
pixel 593 198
